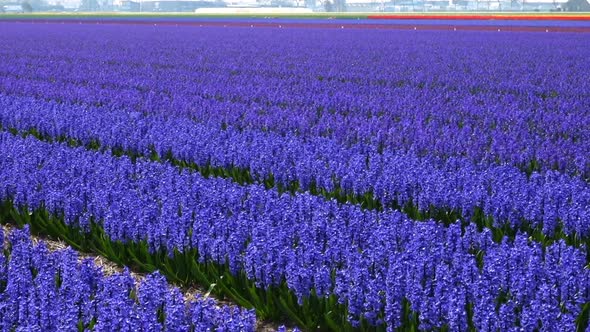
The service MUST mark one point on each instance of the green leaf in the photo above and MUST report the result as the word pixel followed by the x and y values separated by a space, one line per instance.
pixel 293 315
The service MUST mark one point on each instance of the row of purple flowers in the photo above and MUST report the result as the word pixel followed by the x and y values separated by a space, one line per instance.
pixel 43 290
pixel 376 263
pixel 548 202
pixel 525 106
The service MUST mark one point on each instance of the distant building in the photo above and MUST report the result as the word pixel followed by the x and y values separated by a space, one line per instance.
pixel 252 6
pixel 577 6
pixel 129 6
pixel 12 8
pixel 467 5
pixel 178 5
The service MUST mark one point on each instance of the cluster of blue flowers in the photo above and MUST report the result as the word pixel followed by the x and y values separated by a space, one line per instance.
pixel 372 261
pixel 485 135
pixel 43 290
pixel 547 201
pixel 491 104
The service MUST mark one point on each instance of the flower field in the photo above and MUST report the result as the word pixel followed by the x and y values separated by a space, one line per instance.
pixel 53 291
pixel 330 179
